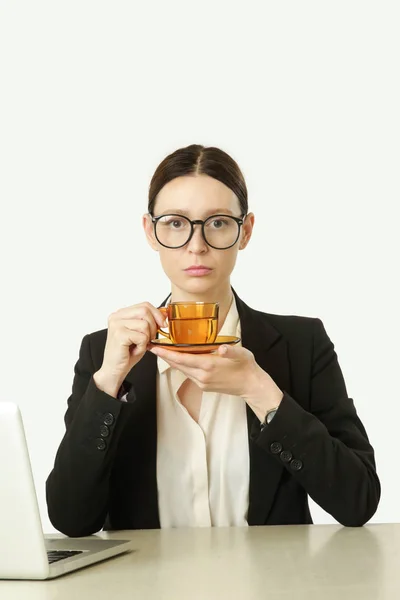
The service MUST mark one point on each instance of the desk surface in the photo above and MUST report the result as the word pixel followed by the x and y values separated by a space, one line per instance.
pixel 286 563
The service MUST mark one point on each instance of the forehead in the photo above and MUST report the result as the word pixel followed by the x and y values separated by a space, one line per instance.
pixel 196 195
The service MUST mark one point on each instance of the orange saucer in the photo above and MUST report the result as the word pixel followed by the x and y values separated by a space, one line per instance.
pixel 196 348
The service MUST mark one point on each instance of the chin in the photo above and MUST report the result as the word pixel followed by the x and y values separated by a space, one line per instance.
pixel 197 285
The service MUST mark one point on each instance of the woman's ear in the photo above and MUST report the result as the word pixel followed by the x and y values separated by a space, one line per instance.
pixel 149 231
pixel 247 230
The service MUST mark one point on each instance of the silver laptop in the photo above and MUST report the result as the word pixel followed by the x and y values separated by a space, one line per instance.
pixel 25 553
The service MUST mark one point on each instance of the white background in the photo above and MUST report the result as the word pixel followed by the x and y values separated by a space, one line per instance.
pixel 304 95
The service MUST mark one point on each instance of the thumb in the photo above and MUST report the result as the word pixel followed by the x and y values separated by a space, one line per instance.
pixel 228 351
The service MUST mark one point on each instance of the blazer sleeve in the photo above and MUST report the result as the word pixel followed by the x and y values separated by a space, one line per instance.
pixel 77 489
pixel 327 448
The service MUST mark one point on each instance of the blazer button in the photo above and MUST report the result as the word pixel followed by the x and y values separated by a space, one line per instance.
pixel 286 456
pixel 104 431
pixel 275 447
pixel 296 464
pixel 108 419
pixel 101 444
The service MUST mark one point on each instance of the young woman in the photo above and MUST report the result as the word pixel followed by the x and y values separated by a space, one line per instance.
pixel 156 438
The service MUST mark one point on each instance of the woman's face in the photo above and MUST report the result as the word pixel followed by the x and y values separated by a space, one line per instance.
pixel 197 197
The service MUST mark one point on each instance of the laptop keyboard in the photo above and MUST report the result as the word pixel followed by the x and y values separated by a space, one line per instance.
pixel 55 555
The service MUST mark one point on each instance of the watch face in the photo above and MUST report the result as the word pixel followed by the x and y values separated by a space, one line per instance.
pixel 270 416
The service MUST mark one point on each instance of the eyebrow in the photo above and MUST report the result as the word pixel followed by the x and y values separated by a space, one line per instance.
pixel 184 213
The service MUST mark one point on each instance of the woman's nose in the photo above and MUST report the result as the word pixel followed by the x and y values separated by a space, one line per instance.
pixel 197 243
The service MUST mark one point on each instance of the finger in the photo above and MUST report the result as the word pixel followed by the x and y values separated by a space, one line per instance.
pixel 141 311
pixel 145 324
pixel 144 314
pixel 136 341
pixel 141 325
pixel 139 349
pixel 233 352
pixel 227 351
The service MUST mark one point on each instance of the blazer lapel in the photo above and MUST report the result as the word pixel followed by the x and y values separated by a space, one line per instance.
pixel 271 354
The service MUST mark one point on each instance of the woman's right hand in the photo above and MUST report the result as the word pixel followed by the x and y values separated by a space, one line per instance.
pixel 129 332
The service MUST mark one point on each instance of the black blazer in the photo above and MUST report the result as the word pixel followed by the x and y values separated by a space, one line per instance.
pixel 105 468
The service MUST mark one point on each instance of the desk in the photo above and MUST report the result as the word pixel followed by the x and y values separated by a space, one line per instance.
pixel 303 562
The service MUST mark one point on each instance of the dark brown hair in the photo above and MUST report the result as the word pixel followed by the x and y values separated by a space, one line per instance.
pixel 196 159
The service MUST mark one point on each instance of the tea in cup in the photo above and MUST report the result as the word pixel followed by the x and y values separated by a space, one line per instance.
pixel 191 322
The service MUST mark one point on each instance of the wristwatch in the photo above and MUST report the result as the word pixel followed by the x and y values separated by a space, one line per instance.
pixel 268 417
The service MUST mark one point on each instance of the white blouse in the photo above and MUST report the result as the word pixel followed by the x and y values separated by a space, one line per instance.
pixel 202 468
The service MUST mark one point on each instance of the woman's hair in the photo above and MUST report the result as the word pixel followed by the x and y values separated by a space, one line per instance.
pixel 199 160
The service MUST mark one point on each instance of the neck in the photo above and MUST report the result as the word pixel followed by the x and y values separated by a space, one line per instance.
pixel 222 294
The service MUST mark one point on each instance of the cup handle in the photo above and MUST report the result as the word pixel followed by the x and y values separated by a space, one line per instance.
pixel 165 313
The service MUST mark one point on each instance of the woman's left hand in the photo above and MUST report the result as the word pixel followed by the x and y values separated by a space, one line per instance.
pixel 231 370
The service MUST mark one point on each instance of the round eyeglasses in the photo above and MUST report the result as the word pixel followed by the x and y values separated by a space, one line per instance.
pixel 219 231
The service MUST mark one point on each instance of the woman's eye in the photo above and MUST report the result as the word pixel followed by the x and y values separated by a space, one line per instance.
pixel 218 223
pixel 176 224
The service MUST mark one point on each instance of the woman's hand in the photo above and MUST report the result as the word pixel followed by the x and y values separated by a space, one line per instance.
pixel 231 370
pixel 129 333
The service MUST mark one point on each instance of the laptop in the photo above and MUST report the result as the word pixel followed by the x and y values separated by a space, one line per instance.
pixel 25 553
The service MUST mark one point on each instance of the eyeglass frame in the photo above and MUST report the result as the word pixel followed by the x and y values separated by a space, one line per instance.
pixel 238 220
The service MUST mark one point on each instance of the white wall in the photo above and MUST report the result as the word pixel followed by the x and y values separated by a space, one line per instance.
pixel 305 95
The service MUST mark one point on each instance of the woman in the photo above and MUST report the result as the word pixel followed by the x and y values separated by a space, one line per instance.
pixel 156 438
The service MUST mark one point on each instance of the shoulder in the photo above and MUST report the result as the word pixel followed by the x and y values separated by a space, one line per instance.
pixel 94 344
pixel 305 335
pixel 289 322
pixel 300 331
pixel 98 337
pixel 287 325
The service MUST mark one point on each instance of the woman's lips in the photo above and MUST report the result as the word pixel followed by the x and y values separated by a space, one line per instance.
pixel 198 271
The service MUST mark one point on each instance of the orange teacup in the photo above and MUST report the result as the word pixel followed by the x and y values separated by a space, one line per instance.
pixel 191 322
